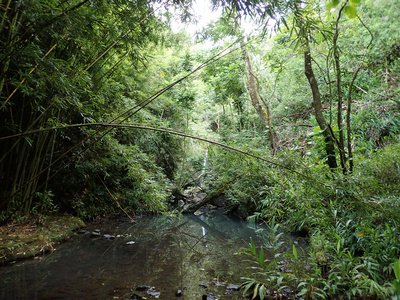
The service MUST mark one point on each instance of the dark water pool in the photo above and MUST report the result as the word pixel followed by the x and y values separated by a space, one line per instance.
pixel 199 255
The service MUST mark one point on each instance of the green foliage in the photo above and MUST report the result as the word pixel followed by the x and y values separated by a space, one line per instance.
pixel 115 175
pixel 380 173
pixel 352 229
pixel 396 282
pixel 272 266
pixel 80 62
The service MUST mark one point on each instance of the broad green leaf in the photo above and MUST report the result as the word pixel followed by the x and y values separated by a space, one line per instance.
pixel 335 2
pixel 355 2
pixel 317 129
pixel 247 287
pixel 302 292
pixel 351 11
pixel 332 4
pixel 294 252
pixel 261 258
pixel 253 247
pixel 396 268
pixel 261 292
pixel 338 246
pixel 396 284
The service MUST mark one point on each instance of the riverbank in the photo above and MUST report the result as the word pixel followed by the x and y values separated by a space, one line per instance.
pixel 31 238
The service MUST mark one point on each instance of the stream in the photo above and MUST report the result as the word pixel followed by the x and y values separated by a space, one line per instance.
pixel 183 257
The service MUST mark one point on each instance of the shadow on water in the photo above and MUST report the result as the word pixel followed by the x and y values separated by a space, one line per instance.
pixel 195 254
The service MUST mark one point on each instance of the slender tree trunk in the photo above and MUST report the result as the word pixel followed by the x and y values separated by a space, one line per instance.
pixel 336 57
pixel 317 104
pixel 265 116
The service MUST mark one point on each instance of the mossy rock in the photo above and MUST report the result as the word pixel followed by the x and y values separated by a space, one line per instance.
pixel 35 237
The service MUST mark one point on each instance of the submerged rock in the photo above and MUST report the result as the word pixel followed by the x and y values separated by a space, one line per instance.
pixel 233 287
pixel 286 292
pixel 153 293
pixel 203 286
pixel 208 297
pixel 220 201
pixel 198 197
pixel 143 288
pixel 109 236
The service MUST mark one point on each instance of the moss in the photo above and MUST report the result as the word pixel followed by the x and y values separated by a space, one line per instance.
pixel 35 237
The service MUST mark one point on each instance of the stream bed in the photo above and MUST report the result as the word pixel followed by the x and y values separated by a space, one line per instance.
pixel 186 257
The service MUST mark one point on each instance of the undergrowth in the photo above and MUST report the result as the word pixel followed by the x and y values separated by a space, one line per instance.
pixel 351 224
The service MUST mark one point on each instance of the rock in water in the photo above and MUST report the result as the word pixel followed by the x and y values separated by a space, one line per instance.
pixel 153 293
pixel 203 286
pixel 233 287
pixel 143 288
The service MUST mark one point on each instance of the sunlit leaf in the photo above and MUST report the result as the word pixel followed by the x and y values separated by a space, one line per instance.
pixel 335 2
pixel 351 11
pixel 255 291
pixel 332 4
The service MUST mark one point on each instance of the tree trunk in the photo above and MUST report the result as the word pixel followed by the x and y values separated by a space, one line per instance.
pixel 317 104
pixel 336 57
pixel 265 116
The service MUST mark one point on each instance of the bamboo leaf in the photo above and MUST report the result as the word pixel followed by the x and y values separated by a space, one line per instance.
pixel 294 252
pixel 255 291
pixel 248 286
pixel 396 268
pixel 262 292
pixel 261 258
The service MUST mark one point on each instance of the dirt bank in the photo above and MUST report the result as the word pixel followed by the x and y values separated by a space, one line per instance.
pixel 32 238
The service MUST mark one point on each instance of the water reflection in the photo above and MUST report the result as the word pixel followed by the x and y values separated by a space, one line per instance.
pixel 194 254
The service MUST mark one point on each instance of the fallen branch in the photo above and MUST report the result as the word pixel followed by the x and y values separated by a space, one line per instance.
pixel 174 132
pixel 211 196
pixel 297 125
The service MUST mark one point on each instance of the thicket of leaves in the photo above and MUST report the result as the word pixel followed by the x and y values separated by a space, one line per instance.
pixel 81 62
pixel 350 221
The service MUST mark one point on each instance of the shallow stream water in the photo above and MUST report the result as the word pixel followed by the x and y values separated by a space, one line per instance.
pixel 197 255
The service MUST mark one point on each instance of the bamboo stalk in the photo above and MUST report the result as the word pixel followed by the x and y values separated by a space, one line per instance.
pixel 124 116
pixel 30 72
